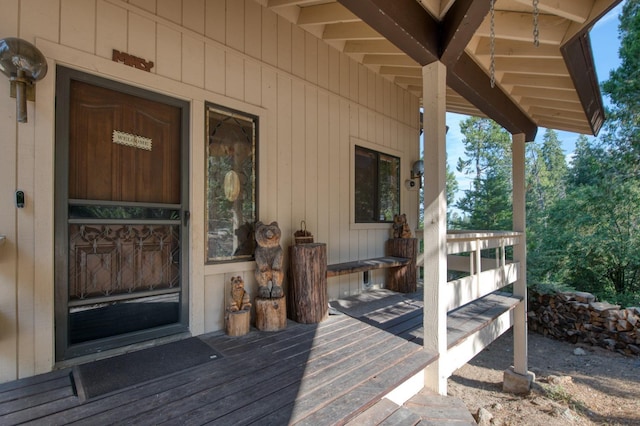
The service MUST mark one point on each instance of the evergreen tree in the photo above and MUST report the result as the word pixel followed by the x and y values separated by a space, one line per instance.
pixel 593 236
pixel 546 173
pixel 487 204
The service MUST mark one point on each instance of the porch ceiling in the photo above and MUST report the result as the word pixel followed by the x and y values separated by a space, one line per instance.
pixel 553 85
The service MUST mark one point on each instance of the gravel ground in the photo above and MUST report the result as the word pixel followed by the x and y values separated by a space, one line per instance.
pixel 575 385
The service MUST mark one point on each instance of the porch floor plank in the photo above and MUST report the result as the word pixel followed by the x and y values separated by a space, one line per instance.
pixel 319 374
pixel 335 372
pixel 470 318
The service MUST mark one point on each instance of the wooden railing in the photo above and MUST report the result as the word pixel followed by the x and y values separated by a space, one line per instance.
pixel 481 275
pixel 461 320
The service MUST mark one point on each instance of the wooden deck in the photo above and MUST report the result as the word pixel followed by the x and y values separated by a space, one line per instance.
pixel 402 314
pixel 332 373
pixel 320 374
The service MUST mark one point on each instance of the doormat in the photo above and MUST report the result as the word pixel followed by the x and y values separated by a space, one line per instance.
pixel 108 375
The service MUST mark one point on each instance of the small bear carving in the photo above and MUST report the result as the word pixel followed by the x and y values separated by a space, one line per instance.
pixel 239 298
pixel 268 260
pixel 401 227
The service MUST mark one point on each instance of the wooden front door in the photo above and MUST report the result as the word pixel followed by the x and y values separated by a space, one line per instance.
pixel 121 215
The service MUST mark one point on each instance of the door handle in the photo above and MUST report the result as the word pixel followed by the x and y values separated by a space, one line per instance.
pixel 186 217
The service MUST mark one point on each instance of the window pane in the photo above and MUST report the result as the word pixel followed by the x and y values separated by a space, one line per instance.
pixel 389 188
pixel 231 186
pixel 365 191
pixel 377 186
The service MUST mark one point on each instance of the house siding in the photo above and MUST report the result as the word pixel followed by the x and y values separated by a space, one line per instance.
pixel 312 101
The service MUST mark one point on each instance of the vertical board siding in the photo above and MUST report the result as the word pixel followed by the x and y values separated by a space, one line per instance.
pixel 39 18
pixel 235 52
pixel 298 160
pixel 253 29
pixel 193 61
pixel 216 20
pixel 8 252
pixel 170 10
pixel 139 42
pixel 111 29
pixel 26 247
pixel 169 62
pixel 77 24
pixel 193 16
pixel 310 160
pixel 215 77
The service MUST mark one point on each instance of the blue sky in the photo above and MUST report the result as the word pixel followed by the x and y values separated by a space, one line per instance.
pixel 605 45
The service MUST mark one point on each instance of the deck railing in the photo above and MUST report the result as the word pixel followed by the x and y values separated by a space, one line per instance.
pixel 475 274
pixel 479 263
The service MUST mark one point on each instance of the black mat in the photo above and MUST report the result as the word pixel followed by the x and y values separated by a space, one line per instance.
pixel 108 375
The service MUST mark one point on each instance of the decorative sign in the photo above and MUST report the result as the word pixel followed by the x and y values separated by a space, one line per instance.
pixel 127 139
pixel 132 61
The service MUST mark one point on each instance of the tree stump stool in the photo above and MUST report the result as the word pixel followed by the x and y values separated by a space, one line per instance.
pixel 271 313
pixel 403 279
pixel 237 323
pixel 308 290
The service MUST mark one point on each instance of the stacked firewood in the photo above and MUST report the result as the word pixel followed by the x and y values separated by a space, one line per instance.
pixel 577 317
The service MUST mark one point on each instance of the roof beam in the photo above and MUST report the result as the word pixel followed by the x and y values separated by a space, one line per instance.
pixel 469 80
pixel 458 27
pixel 578 57
pixel 403 22
pixel 407 25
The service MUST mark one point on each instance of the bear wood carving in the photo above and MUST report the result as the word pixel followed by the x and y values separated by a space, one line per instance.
pixel 400 226
pixel 268 260
pixel 239 298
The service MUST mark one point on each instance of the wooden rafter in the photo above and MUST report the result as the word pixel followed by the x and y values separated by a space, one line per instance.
pixel 458 27
pixel 396 38
pixel 404 23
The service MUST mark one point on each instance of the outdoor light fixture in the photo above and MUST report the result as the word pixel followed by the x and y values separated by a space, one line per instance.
pixel 417 171
pixel 24 64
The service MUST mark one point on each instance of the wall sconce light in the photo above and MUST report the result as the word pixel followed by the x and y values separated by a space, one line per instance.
pixel 417 171
pixel 24 64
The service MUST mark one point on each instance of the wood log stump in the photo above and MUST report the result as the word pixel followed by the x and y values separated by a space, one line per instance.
pixel 403 279
pixel 308 289
pixel 237 323
pixel 271 313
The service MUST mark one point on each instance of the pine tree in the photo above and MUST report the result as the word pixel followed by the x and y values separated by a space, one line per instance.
pixel 487 204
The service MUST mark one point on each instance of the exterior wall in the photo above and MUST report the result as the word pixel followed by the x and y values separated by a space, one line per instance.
pixel 314 104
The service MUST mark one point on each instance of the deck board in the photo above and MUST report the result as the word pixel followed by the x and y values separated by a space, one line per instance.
pixel 331 373
pixel 307 373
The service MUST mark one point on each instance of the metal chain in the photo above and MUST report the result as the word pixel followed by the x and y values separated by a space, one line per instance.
pixel 492 44
pixel 536 28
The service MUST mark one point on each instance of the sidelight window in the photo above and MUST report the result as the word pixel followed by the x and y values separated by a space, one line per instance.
pixel 230 184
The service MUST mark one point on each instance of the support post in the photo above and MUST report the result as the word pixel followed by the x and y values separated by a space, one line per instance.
pixel 434 78
pixel 518 379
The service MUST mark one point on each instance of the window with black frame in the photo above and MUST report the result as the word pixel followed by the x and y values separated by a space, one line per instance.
pixel 231 184
pixel 377 186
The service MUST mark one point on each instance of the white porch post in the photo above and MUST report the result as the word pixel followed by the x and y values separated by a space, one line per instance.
pixel 435 225
pixel 518 379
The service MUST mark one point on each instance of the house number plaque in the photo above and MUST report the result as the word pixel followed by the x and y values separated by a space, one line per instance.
pixel 135 141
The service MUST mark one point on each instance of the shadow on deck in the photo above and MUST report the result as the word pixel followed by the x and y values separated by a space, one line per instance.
pixel 320 374
pixel 332 373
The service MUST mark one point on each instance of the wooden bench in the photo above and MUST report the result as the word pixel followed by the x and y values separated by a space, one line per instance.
pixel 366 265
